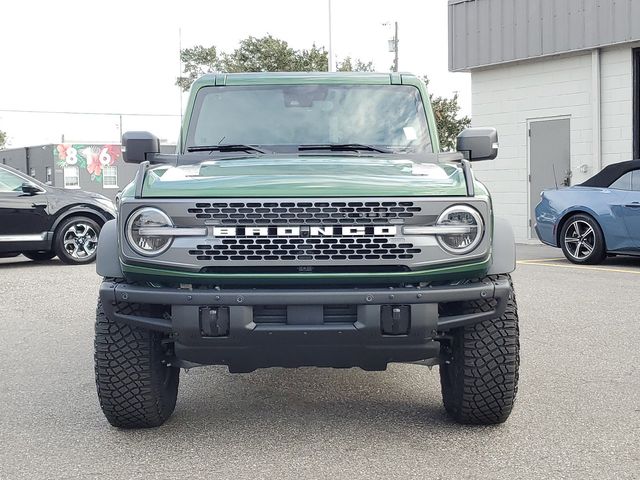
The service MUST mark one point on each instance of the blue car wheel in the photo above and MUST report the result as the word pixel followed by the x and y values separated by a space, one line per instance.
pixel 582 240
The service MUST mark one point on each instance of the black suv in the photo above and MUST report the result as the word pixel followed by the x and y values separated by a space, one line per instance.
pixel 41 221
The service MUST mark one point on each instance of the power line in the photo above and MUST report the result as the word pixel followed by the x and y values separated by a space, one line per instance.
pixel 55 112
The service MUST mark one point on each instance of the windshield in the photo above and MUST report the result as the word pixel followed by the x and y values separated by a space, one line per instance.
pixel 383 116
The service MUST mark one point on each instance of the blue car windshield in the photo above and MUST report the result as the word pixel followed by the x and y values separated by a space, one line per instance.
pixel 386 116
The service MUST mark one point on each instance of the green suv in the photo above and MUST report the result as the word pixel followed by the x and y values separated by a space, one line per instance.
pixel 307 219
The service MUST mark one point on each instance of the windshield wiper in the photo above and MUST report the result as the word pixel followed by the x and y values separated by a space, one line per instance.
pixel 228 147
pixel 343 147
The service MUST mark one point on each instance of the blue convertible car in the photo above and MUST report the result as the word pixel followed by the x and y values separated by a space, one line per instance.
pixel 597 218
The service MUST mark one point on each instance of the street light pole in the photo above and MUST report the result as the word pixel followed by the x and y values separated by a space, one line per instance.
pixel 330 59
pixel 395 47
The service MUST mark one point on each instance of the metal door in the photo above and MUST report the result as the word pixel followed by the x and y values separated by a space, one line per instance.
pixel 549 160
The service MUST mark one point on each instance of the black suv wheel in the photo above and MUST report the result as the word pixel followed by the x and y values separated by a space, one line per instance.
pixel 76 240
pixel 479 365
pixel 135 386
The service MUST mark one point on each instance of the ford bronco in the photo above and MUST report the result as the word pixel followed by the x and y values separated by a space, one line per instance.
pixel 306 219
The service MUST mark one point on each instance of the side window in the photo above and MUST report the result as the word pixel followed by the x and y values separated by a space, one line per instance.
pixel 71 177
pixel 635 180
pixel 623 183
pixel 10 182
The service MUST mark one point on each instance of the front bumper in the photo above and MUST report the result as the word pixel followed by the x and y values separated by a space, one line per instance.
pixel 306 334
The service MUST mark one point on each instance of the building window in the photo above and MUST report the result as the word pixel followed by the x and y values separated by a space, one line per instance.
pixel 32 172
pixel 48 176
pixel 71 177
pixel 110 177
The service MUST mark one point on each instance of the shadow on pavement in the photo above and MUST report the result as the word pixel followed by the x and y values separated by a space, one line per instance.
pixel 24 262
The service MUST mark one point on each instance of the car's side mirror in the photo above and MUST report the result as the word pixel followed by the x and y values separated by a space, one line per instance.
pixel 137 146
pixel 30 188
pixel 478 143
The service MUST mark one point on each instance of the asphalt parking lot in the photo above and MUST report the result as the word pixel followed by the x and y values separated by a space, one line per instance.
pixel 577 413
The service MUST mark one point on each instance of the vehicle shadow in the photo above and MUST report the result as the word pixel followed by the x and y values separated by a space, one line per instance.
pixel 23 262
pixel 622 261
pixel 311 403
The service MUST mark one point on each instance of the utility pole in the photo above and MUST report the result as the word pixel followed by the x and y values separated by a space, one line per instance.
pixel 331 67
pixel 395 48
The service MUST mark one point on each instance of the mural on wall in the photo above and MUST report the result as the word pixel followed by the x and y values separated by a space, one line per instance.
pixel 92 157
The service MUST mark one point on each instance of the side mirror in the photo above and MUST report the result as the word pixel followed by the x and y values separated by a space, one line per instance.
pixel 136 146
pixel 478 143
pixel 30 188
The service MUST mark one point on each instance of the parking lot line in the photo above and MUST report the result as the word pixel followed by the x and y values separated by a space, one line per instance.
pixel 536 260
pixel 579 267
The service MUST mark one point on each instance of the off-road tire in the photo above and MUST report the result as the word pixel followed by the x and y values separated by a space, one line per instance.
pixel 596 240
pixel 479 364
pixel 39 256
pixel 136 388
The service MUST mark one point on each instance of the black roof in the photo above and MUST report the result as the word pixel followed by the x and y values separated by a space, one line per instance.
pixel 611 173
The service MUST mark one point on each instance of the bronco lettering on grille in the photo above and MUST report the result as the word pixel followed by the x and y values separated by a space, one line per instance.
pixel 305 231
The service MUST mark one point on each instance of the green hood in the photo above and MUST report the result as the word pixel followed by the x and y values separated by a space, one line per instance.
pixel 309 176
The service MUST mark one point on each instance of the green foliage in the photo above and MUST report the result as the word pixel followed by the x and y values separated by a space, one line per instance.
pixel 265 54
pixel 354 65
pixel 446 112
pixel 3 139
pixel 270 54
pixel 197 61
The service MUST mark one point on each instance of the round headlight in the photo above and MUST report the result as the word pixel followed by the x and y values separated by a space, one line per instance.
pixel 461 216
pixel 146 244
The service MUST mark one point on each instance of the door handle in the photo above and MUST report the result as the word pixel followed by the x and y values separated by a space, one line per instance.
pixel 633 205
pixel 39 204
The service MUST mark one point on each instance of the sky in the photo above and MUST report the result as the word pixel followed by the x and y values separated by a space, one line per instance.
pixel 122 56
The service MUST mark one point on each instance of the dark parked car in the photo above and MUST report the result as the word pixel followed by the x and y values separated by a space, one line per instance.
pixel 41 221
pixel 597 218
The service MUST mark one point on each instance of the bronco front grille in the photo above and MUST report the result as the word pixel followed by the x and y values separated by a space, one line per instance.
pixel 305 249
pixel 300 213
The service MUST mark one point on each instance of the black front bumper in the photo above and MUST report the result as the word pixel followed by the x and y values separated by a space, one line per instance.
pixel 307 330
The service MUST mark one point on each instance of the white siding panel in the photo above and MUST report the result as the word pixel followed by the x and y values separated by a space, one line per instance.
pixel 616 109
pixel 506 97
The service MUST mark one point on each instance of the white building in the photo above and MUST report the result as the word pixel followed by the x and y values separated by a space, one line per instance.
pixel 560 80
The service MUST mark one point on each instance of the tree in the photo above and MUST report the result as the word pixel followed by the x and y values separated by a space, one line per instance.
pixel 265 54
pixel 446 112
pixel 357 65
pixel 3 139
pixel 313 60
pixel 197 61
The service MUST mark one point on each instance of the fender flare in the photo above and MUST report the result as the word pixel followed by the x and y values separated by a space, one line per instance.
pixel 107 258
pixel 78 211
pixel 503 252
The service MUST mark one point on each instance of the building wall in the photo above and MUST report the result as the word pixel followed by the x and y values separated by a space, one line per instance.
pixel 490 32
pixel 617 104
pixel 15 158
pixel 35 160
pixel 509 96
pixel 38 160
